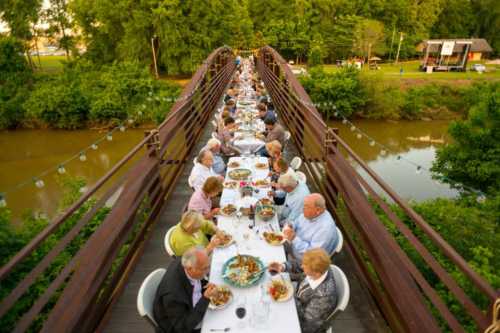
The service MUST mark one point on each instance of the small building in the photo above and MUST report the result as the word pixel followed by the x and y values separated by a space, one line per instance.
pixel 451 54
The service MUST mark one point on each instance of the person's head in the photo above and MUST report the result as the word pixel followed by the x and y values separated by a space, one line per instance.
pixel 229 122
pixel 269 122
pixel 212 186
pixel 274 148
pixel 196 262
pixel 262 108
pixel 226 113
pixel 231 103
pixel 315 262
pixel 213 145
pixel 191 221
pixel 280 165
pixel 287 183
pixel 205 157
pixel 314 205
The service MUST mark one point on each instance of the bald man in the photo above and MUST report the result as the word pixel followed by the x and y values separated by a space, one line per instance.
pixel 314 228
pixel 180 301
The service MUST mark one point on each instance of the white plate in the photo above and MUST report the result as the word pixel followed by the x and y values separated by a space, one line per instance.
pixel 288 295
pixel 214 307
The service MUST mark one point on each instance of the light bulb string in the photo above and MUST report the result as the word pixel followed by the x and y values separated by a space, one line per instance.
pixel 419 167
pixel 83 151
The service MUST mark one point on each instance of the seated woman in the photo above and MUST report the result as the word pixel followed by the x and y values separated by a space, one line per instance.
pixel 201 200
pixel 226 136
pixel 192 231
pixel 316 294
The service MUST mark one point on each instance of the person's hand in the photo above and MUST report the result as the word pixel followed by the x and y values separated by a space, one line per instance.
pixel 270 193
pixel 289 233
pixel 210 291
pixel 221 178
pixel 215 211
pixel 275 267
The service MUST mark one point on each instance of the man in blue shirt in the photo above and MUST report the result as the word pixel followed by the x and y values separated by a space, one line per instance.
pixel 314 228
pixel 294 201
pixel 214 146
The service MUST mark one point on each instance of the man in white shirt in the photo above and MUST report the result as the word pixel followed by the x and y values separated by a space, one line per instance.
pixel 202 169
pixel 294 201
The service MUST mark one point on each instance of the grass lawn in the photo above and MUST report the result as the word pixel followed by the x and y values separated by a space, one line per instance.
pixel 49 63
pixel 411 71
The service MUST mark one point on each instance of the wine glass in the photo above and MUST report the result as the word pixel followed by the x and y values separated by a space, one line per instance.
pixel 241 311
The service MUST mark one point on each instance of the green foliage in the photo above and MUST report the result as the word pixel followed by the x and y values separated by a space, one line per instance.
pixel 342 88
pixel 15 80
pixel 473 159
pixel 84 94
pixel 472 230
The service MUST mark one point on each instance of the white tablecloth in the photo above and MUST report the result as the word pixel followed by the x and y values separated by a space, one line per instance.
pixel 282 316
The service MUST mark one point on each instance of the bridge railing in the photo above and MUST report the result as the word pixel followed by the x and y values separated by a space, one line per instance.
pixel 84 287
pixel 405 296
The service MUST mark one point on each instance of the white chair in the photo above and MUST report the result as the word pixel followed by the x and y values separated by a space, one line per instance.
pixel 343 294
pixel 146 295
pixel 295 163
pixel 301 177
pixel 215 136
pixel 168 247
pixel 340 242
pixel 288 135
pixel 214 124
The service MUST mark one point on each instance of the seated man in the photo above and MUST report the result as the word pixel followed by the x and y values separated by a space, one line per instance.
pixel 315 227
pixel 295 197
pixel 218 166
pixel 264 113
pixel 182 297
pixel 280 168
pixel 226 136
pixel 202 169
pixel 274 131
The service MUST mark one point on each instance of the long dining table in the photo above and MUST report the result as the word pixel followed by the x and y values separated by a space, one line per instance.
pixel 280 316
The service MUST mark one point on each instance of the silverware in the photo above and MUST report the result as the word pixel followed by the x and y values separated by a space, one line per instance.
pixel 227 329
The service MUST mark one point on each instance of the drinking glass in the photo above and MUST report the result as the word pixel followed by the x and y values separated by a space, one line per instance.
pixel 241 311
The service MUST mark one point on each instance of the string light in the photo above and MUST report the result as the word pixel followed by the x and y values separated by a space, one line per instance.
pixel 83 157
pixel 359 136
pixel 353 128
pixel 3 202
pixel 344 121
pixel 61 170
pixel 94 146
pixel 122 128
pixel 481 198
pixel 39 182
pixel 372 143
pixel 109 137
pixel 383 152
pixel 139 113
pixel 131 121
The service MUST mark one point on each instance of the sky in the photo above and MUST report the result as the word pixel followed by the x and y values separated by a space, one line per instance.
pixel 3 26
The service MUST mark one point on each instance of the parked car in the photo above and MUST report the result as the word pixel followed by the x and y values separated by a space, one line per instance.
pixel 478 68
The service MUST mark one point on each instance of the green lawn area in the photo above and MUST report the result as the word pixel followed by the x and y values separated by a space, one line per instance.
pixel 411 71
pixel 49 64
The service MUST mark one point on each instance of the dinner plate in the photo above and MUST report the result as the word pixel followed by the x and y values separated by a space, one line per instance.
pixel 239 174
pixel 221 211
pixel 286 297
pixel 232 275
pixel 275 243
pixel 227 244
pixel 222 306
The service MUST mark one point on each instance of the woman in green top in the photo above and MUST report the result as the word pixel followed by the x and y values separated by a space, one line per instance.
pixel 192 231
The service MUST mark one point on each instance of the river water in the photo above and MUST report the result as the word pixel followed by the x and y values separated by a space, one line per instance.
pixel 26 153
pixel 414 141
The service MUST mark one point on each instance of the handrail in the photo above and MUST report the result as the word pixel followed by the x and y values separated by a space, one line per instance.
pixel 334 177
pixel 146 184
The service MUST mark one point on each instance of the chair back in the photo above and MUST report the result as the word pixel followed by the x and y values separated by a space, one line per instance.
pixel 168 247
pixel 214 124
pixel 147 293
pixel 295 163
pixel 214 135
pixel 343 290
pixel 301 177
pixel 288 135
pixel 340 242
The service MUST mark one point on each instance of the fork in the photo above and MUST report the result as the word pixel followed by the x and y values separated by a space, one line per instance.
pixel 227 329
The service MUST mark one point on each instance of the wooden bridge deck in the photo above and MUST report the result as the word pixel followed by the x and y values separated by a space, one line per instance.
pixel 360 316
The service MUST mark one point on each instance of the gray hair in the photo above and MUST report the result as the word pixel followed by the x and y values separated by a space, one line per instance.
pixel 190 258
pixel 202 154
pixel 288 181
pixel 213 142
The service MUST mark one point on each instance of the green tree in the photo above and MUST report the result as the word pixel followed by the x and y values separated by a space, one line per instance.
pixel 60 25
pixel 369 38
pixel 473 159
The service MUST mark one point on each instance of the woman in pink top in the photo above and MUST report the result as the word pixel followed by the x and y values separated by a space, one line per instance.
pixel 201 200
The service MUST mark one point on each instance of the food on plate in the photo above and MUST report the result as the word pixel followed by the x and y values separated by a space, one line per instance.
pixel 261 165
pixel 246 211
pixel 234 164
pixel 222 297
pixel 243 270
pixel 260 136
pixel 225 239
pixel 231 184
pixel 229 209
pixel 261 183
pixel 273 238
pixel 279 290
pixel 266 212
pixel 239 174
pixel 266 201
